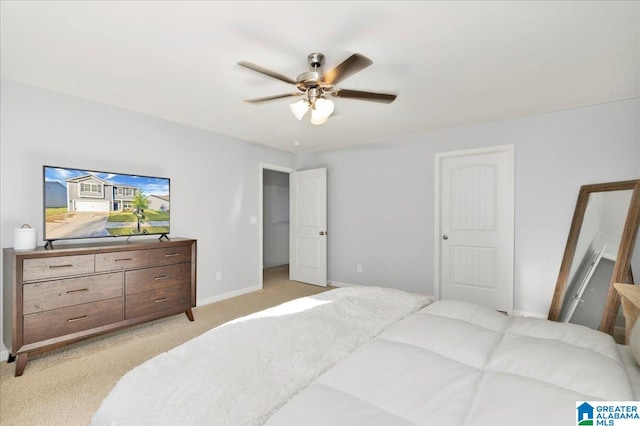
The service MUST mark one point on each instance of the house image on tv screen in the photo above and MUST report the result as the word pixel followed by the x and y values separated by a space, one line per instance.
pixel 158 202
pixel 90 193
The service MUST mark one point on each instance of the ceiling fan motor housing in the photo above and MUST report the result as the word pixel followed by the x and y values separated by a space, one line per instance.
pixel 316 60
pixel 308 79
pixel 312 79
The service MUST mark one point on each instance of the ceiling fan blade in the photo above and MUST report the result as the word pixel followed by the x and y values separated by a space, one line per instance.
pixel 271 98
pixel 347 68
pixel 365 96
pixel 265 71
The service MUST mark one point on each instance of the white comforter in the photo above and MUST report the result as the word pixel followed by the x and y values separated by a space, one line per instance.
pixel 241 372
pixel 374 356
pixel 455 363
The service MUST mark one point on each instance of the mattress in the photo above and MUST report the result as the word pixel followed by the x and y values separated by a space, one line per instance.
pixel 633 370
pixel 376 356
pixel 456 363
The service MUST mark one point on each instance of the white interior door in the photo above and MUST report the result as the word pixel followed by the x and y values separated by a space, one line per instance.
pixel 308 226
pixel 476 227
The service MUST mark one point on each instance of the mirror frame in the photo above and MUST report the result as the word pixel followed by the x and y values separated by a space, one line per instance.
pixel 622 269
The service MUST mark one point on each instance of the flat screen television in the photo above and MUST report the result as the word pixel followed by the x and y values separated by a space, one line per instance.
pixel 94 204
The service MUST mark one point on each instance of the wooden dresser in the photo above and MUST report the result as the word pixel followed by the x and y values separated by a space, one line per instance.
pixel 55 297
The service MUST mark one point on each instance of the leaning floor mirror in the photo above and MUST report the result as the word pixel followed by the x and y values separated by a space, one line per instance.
pixel 598 253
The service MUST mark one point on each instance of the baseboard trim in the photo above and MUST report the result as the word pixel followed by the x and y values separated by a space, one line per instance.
pixel 4 355
pixel 339 284
pixel 529 314
pixel 220 297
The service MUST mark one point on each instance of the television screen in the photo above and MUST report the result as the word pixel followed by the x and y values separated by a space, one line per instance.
pixel 90 204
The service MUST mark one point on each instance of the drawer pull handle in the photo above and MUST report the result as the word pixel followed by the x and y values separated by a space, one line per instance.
pixel 162 277
pixel 124 259
pixel 78 318
pixel 172 255
pixel 82 290
pixel 164 299
pixel 68 265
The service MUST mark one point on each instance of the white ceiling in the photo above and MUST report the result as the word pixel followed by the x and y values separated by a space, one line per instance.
pixel 451 63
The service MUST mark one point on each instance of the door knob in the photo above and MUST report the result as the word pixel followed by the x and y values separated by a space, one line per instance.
pixel 323 233
pixel 445 237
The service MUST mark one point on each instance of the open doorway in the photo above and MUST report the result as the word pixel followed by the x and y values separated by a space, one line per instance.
pixel 303 195
pixel 275 219
pixel 275 223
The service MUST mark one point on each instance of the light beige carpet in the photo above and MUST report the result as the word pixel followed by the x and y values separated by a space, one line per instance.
pixel 66 386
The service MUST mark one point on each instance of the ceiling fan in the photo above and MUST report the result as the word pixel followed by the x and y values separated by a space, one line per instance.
pixel 315 86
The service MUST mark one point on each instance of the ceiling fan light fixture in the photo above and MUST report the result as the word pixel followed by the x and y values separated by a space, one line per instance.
pixel 324 107
pixel 300 108
pixel 321 111
pixel 316 119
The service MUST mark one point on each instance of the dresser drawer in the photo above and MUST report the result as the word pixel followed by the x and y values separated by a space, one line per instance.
pixel 149 302
pixel 149 279
pixel 47 295
pixel 121 260
pixel 53 267
pixel 170 255
pixel 59 322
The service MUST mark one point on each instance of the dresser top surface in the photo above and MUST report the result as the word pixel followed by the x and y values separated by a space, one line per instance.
pixel 630 291
pixel 67 249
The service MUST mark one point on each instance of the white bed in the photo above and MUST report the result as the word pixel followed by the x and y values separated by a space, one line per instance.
pixel 376 356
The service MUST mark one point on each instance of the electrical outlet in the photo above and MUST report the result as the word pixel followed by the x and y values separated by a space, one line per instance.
pixel 219 275
pixel 359 268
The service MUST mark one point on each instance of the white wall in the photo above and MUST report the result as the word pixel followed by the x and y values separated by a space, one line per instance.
pixel 214 179
pixel 275 218
pixel 381 196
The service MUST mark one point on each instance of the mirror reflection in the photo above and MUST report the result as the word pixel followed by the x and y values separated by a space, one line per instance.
pixel 598 253
pixel 595 256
